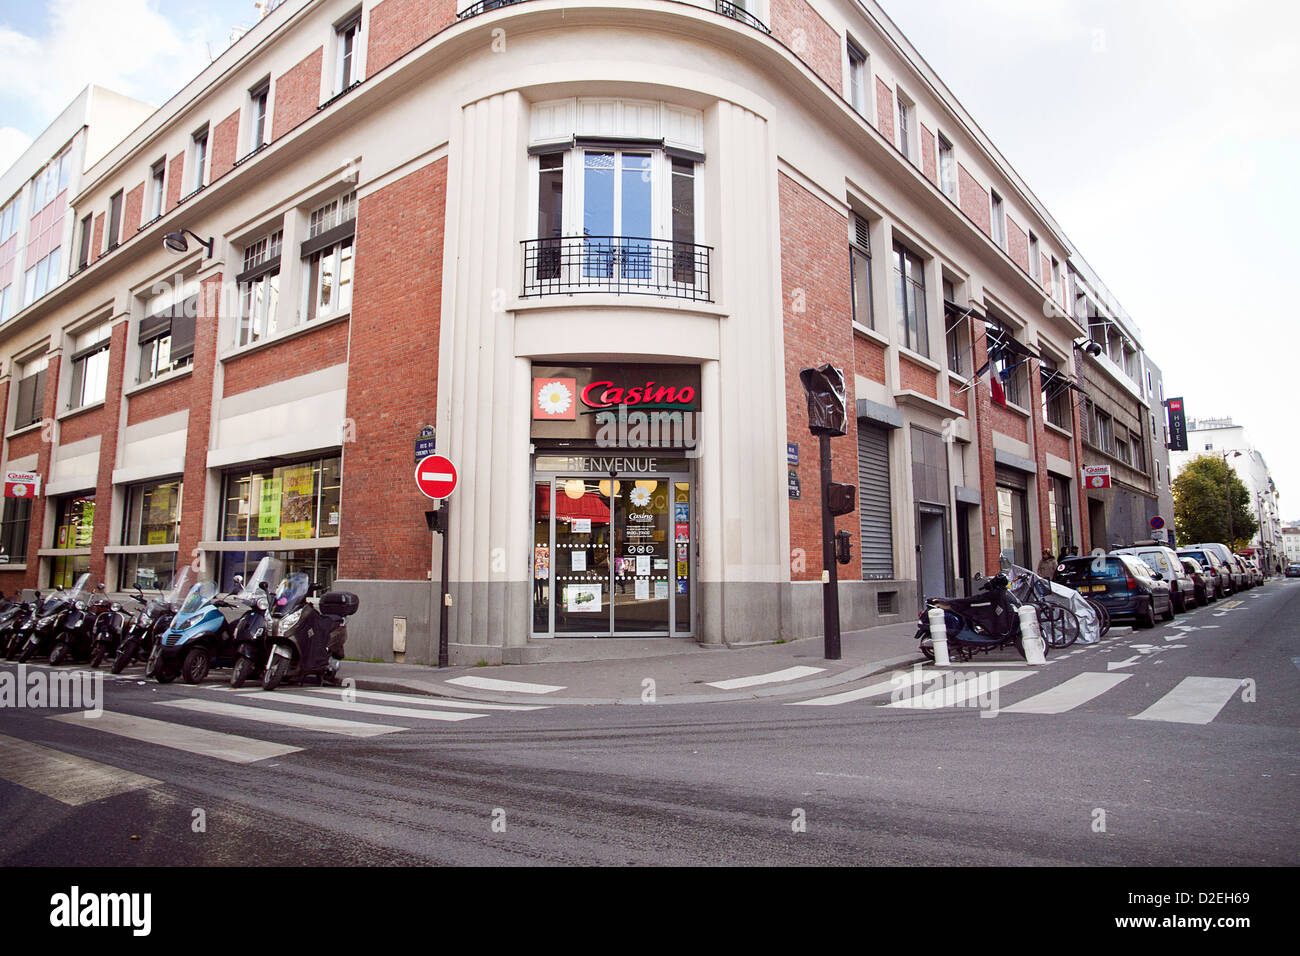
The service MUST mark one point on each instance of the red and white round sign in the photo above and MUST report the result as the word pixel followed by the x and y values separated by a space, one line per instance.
pixel 435 476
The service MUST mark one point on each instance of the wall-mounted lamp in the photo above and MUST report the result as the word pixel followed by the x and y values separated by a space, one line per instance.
pixel 175 242
pixel 1089 346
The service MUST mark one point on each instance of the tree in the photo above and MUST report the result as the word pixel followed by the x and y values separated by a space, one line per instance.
pixel 1212 504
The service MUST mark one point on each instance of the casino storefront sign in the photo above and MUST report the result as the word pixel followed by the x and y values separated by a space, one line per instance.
pixel 614 522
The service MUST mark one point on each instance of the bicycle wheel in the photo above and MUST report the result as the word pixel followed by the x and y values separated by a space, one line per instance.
pixel 1103 615
pixel 1059 626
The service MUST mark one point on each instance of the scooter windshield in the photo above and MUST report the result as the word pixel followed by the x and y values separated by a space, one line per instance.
pixel 81 590
pixel 182 581
pixel 292 592
pixel 199 595
pixel 269 570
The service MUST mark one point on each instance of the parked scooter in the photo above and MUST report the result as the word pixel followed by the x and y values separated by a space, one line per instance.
pixel 76 642
pixel 150 623
pixel 11 619
pixel 47 627
pixel 253 625
pixel 978 624
pixel 306 642
pixel 198 639
pixel 15 636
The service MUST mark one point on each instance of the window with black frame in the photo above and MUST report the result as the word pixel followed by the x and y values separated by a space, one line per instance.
pixel 909 294
pixel 277 507
pixel 166 339
pixel 860 273
pixel 152 521
pixel 1056 393
pixel 327 258
pixel 90 366
pixel 14 525
pixel 29 405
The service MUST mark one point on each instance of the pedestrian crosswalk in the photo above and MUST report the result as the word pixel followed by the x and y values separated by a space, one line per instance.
pixel 198 721
pixel 1193 700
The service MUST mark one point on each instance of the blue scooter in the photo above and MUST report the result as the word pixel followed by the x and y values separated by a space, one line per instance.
pixel 199 639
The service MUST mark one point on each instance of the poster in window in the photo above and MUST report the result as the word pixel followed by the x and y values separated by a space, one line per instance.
pixel 297 500
pixel 661 590
pixel 579 560
pixel 581 526
pixel 86 528
pixel 642 591
pixel 541 561
pixel 268 513
pixel 683 533
pixel 582 598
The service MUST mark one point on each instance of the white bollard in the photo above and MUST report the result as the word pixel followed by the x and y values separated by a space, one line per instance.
pixel 939 637
pixel 1030 636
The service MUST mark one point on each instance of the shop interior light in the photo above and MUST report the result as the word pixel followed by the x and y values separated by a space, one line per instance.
pixel 650 486
pixel 605 486
pixel 575 488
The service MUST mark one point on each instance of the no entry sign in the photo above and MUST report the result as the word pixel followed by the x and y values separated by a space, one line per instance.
pixel 435 476
pixel 22 484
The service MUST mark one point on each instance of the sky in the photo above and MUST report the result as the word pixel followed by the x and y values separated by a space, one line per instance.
pixel 1162 135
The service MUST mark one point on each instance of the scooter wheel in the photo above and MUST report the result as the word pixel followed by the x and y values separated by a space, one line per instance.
pixel 242 672
pixel 163 675
pixel 195 667
pixel 26 653
pixel 124 657
pixel 275 673
pixel 96 657
pixel 57 653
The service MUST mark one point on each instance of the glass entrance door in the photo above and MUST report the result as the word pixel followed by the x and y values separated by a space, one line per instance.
pixel 643 576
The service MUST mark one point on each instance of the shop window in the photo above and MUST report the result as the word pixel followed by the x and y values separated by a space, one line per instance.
pixel 17 518
pixel 1058 507
pixel 1013 525
pixel 90 366
pixel 74 528
pixel 153 518
pixel 327 258
pixel 166 339
pixel 259 289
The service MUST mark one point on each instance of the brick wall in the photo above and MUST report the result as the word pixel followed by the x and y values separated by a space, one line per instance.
pixel 1009 423
pixel 1057 445
pixel 1017 244
pixel 957 398
pixel 1045 273
pixel 974 201
pixel 97 238
pixel 175 176
pixel 132 207
pixel 393 373
pixel 869 359
pixel 885 109
pixel 35 443
pixel 796 24
pixel 929 155
pixel 1076 481
pixel 913 376
pixel 109 416
pixel 397 26
pixel 159 401
pixel 297 94
pixel 83 425
pixel 225 143
pixel 812 235
pixel 1040 457
pixel 305 352
pixel 28 443
pixel 200 420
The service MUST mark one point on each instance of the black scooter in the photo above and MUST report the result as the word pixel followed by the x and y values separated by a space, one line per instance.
pixel 48 625
pixel 976 625
pixel 76 642
pixel 305 642
pixel 253 624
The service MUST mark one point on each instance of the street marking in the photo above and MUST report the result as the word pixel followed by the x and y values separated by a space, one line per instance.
pixel 509 686
pixel 1077 690
pixel 70 779
pixel 437 476
pixel 359 708
pixel 206 743
pixel 775 677
pixel 1116 665
pixel 425 701
pixel 907 679
pixel 957 693
pixel 1196 700
pixel 284 718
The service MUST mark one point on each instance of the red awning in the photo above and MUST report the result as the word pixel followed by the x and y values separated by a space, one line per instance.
pixel 588 506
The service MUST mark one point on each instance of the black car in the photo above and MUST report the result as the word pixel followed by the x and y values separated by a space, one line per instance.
pixel 1293 570
pixel 1122 583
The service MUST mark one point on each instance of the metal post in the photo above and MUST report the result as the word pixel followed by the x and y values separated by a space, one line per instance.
pixel 831 577
pixel 445 527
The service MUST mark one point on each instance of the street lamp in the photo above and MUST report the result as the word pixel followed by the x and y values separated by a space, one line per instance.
pixel 176 243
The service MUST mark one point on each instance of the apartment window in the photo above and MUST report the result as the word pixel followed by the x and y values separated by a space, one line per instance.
pixel 199 160
pixel 957 335
pixel 30 406
pixel 298 503
pixel 83 254
pixel 1121 450
pixel 1016 384
pixel 90 366
pixel 327 258
pixel 166 338
pixel 999 220
pixel 259 289
pixel 13 530
pixel 909 297
pixel 258 97
pixel 346 52
pixel 9 219
pixel 6 303
pixel 864 312
pixel 1056 393
pixel 858 74
pixel 114 219
pixel 42 277
pixel 50 181
pixel 1056 278
pixel 1058 500
pixel 157 195
pixel 905 111
pixel 1035 259
pixel 947 168
pixel 1105 436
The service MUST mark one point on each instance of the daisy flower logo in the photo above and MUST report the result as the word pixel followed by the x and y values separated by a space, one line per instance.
pixel 554 399
pixel 640 497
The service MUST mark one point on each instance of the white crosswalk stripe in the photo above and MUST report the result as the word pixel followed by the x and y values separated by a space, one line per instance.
pixel 901 681
pixel 949 695
pixel 503 686
pixel 358 707
pixel 284 718
pixel 208 743
pixel 64 777
pixel 1064 697
pixel 1196 700
pixel 423 701
pixel 757 680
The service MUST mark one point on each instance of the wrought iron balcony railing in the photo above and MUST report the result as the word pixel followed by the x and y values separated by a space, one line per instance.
pixel 624 265
pixel 483 6
pixel 727 8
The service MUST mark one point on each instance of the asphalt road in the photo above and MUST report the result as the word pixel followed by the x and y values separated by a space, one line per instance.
pixel 858 782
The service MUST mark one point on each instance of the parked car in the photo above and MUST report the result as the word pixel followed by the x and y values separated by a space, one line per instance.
pixel 1165 562
pixel 1293 570
pixel 1256 574
pixel 1247 577
pixel 1203 581
pixel 1123 584
pixel 1217 563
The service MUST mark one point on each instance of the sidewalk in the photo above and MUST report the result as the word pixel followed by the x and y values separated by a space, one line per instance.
pixel 612 671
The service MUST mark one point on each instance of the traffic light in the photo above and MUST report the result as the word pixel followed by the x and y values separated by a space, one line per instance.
pixel 841 498
pixel 843 547
pixel 826 412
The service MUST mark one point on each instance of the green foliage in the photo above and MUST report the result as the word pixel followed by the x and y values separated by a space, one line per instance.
pixel 1212 504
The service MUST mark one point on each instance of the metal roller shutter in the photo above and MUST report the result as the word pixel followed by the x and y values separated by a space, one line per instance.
pixel 874 503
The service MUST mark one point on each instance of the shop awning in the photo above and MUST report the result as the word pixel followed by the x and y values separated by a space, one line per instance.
pixel 588 506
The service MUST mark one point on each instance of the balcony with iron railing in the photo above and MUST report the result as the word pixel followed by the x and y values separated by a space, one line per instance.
pixel 622 265
pixel 727 8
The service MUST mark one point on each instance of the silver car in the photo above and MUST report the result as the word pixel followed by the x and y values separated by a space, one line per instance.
pixel 1165 562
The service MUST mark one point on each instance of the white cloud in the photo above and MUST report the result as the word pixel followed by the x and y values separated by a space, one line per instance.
pixel 13 142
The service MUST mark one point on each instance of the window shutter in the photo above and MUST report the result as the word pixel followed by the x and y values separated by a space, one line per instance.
pixel 153 326
pixel 874 505
pixel 861 234
pixel 182 327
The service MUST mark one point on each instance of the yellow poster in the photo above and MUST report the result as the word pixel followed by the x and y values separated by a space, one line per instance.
pixel 268 514
pixel 297 500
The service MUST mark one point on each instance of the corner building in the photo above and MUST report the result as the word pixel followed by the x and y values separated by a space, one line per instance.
pixel 590 245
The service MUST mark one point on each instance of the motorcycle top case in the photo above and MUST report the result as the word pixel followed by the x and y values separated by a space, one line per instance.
pixel 339 603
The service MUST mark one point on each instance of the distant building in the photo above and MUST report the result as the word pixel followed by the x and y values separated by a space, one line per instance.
pixel 1291 544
